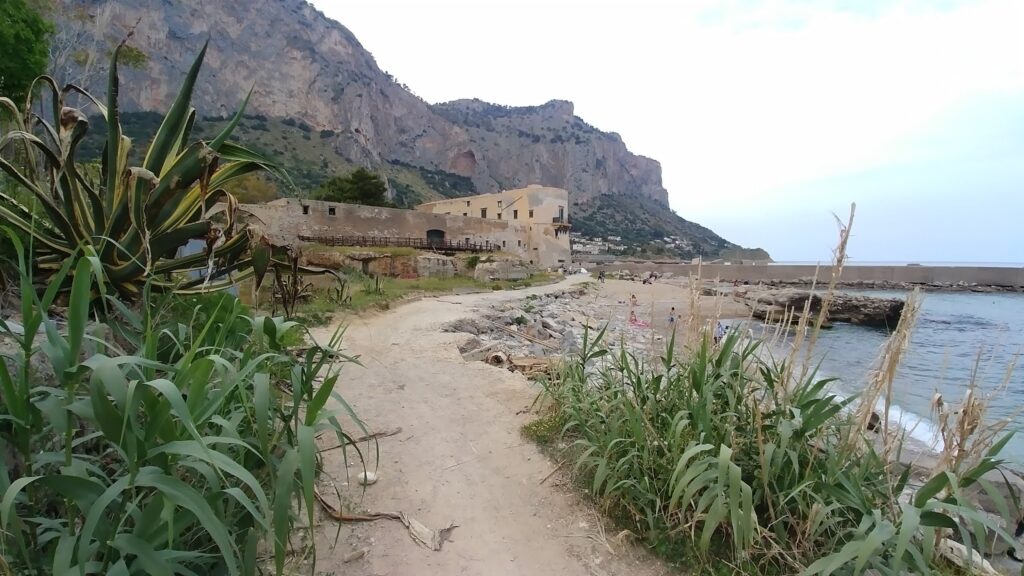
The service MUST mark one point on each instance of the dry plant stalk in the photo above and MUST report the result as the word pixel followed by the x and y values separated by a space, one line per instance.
pixel 966 436
pixel 838 260
pixel 694 328
pixel 880 384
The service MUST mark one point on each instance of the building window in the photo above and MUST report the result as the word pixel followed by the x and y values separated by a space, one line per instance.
pixel 483 212
pixel 531 213
pixel 499 215
pixel 502 243
pixel 561 213
pixel 467 202
pixel 331 211
pixel 465 213
pixel 519 243
pixel 515 214
pixel 305 209
pixel 467 239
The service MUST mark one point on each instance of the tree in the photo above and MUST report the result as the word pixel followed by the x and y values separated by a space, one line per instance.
pixel 24 38
pixel 358 187
pixel 253 189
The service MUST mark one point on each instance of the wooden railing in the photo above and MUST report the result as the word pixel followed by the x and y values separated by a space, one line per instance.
pixel 391 241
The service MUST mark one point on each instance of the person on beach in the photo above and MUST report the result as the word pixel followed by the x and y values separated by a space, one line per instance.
pixel 632 300
pixel 719 333
pixel 600 277
pixel 635 321
pixel 672 316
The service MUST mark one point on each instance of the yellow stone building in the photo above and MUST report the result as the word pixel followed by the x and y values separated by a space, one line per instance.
pixel 537 217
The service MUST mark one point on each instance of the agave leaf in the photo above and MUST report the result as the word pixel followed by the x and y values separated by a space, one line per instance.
pixel 55 95
pixel 222 138
pixel 170 136
pixel 260 261
pixel 13 113
pixel 111 155
pixel 23 219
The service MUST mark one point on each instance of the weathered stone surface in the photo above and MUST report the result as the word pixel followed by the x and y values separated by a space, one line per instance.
pixel 501 271
pixel 435 266
pixel 551 324
pixel 853 309
pixel 325 259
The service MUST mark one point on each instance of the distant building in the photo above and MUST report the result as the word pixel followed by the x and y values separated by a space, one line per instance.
pixel 538 217
pixel 530 223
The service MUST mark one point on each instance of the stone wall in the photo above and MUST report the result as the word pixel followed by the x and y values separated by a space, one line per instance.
pixel 982 275
pixel 290 218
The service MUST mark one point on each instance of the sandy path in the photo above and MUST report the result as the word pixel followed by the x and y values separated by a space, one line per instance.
pixel 460 458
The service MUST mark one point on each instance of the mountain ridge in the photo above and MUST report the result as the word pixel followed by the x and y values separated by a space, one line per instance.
pixel 312 73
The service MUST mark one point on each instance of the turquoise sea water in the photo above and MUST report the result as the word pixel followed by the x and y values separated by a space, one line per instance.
pixel 959 338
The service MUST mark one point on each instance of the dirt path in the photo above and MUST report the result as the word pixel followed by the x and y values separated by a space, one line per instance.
pixel 459 458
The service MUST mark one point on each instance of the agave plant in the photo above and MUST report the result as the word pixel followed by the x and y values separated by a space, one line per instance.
pixel 131 220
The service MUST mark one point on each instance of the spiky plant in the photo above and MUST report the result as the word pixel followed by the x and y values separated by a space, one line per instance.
pixel 131 220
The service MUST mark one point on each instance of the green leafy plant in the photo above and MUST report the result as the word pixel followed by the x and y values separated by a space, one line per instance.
pixel 726 449
pixel 130 221
pixel 158 442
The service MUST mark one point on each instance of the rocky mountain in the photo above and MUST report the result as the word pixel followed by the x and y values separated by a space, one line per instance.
pixel 321 101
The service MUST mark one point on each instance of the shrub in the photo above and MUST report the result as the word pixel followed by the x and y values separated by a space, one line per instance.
pixel 472 261
pixel 767 467
pixel 169 441
pixel 130 219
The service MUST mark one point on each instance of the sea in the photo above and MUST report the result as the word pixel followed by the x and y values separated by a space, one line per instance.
pixel 961 339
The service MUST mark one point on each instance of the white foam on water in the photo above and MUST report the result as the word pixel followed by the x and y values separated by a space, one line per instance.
pixel 917 427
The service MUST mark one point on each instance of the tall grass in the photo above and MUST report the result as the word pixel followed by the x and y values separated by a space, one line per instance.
pixel 730 455
pixel 168 439
pixel 717 452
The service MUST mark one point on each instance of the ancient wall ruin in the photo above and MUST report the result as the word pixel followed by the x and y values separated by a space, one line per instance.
pixel 290 219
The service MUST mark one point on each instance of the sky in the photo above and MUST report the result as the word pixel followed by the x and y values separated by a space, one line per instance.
pixel 767 117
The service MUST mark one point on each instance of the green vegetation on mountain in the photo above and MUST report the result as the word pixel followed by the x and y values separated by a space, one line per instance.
pixel 643 225
pixel 445 183
pixel 306 155
pixel 357 187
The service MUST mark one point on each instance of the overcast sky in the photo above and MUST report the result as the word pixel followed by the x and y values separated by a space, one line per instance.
pixel 767 117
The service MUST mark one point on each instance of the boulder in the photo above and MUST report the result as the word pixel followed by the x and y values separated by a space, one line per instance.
pixel 551 325
pixel 501 271
pixel 468 325
pixel 324 259
pixel 435 266
pixel 853 309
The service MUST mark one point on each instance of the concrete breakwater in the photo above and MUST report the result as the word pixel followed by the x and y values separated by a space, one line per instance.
pixel 938 277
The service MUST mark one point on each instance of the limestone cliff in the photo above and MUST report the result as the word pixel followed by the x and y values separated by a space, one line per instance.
pixel 307 68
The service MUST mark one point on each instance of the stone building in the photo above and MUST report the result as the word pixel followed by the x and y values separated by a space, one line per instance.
pixel 529 223
pixel 538 215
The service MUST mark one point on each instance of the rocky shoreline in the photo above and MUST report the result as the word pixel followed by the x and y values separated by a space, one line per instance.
pixel 533 335
pixel 900 286
pixel 776 304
